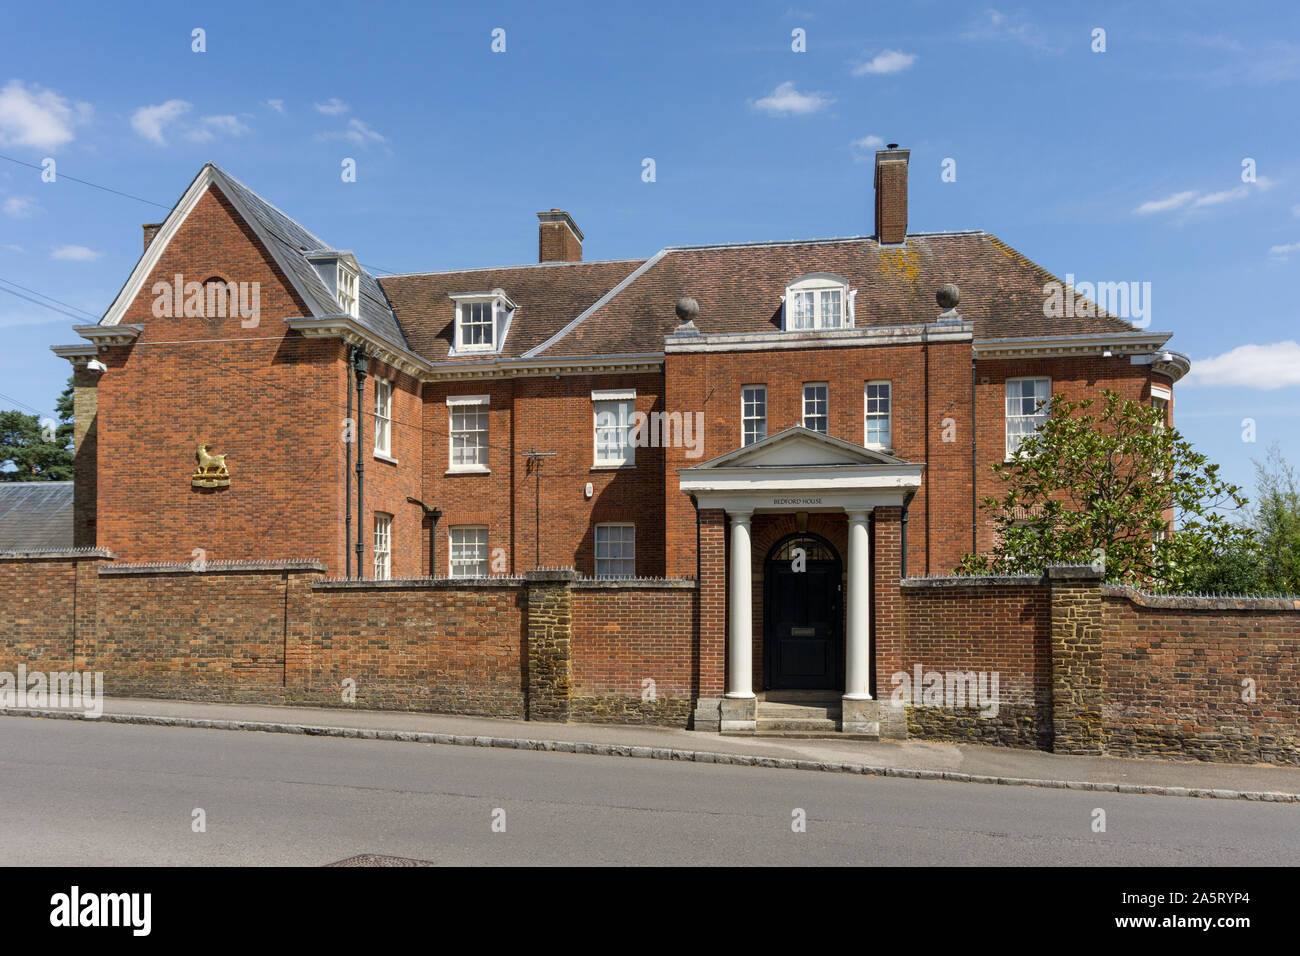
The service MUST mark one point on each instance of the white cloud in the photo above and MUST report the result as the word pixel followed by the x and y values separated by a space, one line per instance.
pixel 785 100
pixel 38 117
pixel 150 121
pixel 75 254
pixel 1176 201
pixel 210 127
pixel 1227 195
pixel 996 25
pixel 357 132
pixel 332 107
pixel 19 207
pixel 1193 199
pixel 10 247
pixel 864 148
pixel 1281 252
pixel 1265 367
pixel 887 61
pixel 277 105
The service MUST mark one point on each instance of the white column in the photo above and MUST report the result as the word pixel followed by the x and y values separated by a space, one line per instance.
pixel 857 669
pixel 740 637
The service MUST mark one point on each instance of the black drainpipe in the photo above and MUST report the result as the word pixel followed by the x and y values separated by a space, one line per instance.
pixel 907 502
pixel 347 480
pixel 974 536
pixel 433 514
pixel 360 367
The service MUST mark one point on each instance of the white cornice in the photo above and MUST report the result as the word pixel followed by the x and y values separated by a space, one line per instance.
pixel 832 338
pixel 1088 343
pixel 109 334
pixel 79 355
pixel 350 331
pixel 346 328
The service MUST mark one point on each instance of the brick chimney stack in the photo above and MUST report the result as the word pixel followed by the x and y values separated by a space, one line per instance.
pixel 891 194
pixel 558 237
pixel 150 230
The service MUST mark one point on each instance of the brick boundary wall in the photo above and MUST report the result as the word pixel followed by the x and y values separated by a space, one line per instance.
pixel 1084 668
pixel 635 657
pixel 959 627
pixel 1178 671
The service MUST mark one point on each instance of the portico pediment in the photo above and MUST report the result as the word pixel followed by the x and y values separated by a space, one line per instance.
pixel 799 469
pixel 799 446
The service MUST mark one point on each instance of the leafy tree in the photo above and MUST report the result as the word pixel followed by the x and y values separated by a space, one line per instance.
pixel 29 452
pixel 1275 519
pixel 1100 483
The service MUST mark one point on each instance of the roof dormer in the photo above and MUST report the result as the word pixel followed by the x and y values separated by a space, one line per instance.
pixel 482 321
pixel 817 301
pixel 341 274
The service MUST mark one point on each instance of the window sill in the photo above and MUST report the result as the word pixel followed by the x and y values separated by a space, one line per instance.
pixel 612 467
pixel 380 456
pixel 469 470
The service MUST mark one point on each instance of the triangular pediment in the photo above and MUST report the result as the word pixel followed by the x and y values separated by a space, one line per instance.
pixel 801 447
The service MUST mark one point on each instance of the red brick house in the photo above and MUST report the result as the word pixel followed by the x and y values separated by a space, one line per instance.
pixel 719 412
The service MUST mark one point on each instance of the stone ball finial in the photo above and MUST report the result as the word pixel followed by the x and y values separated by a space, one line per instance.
pixel 688 310
pixel 948 296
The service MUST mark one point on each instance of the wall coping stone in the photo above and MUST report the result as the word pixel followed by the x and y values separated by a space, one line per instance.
pixel 56 553
pixel 1187 602
pixel 1074 572
pixel 615 584
pixel 162 567
pixel 400 584
pixel 973 580
pixel 550 575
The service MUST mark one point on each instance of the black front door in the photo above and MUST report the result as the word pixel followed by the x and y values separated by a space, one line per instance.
pixel 802 638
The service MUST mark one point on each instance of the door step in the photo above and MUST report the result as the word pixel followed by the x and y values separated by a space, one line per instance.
pixel 775 718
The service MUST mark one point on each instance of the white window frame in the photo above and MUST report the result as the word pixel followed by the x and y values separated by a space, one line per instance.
pixel 383 547
pixel 760 431
pixel 625 559
pixel 459 403
pixel 348 285
pixel 1041 414
pixel 383 418
pixel 601 401
pixel 869 416
pixel 818 286
pixel 501 310
pixel 826 412
pixel 456 549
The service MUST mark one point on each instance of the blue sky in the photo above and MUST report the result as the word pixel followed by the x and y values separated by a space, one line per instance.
pixel 1123 165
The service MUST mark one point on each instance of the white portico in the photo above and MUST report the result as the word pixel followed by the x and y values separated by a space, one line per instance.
pixel 798 471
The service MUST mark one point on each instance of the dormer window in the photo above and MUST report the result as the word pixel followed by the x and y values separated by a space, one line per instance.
pixel 818 301
pixel 482 320
pixel 347 290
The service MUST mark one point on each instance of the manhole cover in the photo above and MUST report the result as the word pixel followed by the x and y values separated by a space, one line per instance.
pixel 374 859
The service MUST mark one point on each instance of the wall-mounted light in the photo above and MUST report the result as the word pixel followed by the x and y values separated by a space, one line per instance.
pixel 1106 353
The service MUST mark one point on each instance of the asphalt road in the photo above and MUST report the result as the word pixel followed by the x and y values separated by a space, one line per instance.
pixel 78 793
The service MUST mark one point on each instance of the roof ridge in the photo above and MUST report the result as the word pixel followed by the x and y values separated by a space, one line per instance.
pixel 597 305
pixel 525 265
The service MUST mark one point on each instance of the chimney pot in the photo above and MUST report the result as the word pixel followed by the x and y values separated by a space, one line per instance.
pixel 891 194
pixel 558 237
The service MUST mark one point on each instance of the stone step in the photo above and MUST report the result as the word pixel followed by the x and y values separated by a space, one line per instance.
pixel 797 712
pixel 806 725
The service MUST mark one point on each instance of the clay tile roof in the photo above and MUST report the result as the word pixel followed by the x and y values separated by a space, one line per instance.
pixel 739 289
pixel 548 297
